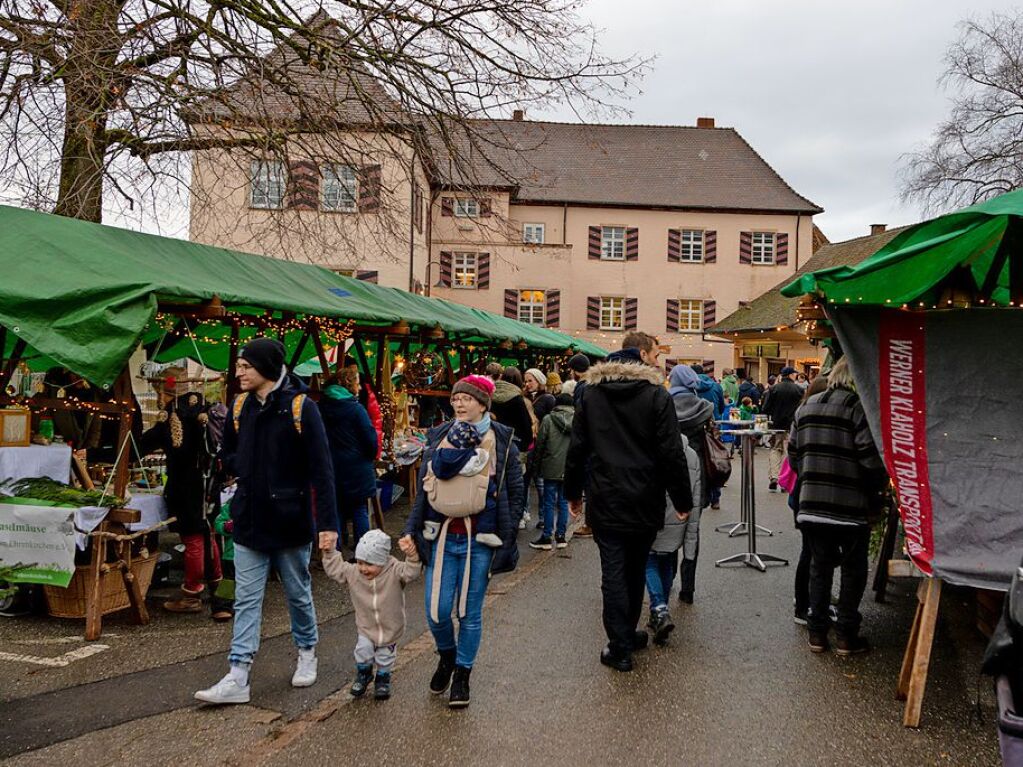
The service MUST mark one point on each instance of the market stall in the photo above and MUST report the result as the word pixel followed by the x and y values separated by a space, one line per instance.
pixel 932 326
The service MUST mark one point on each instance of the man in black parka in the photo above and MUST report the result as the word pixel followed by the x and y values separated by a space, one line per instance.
pixel 626 453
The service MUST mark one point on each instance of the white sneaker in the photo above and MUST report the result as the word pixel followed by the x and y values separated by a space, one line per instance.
pixel 526 519
pixel 227 690
pixel 305 671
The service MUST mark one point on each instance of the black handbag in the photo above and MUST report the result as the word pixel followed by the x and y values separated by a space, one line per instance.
pixel 717 466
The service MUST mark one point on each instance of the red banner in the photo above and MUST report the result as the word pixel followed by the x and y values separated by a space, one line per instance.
pixel 904 427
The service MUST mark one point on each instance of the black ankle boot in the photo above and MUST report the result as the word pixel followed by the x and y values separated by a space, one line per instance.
pixel 382 686
pixel 363 677
pixel 460 688
pixel 442 676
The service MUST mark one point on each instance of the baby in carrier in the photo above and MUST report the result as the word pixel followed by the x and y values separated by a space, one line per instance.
pixel 462 453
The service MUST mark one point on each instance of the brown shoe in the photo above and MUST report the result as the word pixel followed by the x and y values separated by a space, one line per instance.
pixel 221 615
pixel 183 605
pixel 716 506
pixel 856 645
pixel 818 642
pixel 583 531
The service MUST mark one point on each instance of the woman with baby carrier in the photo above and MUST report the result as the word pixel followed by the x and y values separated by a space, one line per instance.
pixel 464 524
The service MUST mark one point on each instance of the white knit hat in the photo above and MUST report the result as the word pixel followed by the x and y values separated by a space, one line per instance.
pixel 374 548
pixel 538 376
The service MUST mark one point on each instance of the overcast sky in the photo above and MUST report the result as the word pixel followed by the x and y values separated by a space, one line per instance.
pixel 830 93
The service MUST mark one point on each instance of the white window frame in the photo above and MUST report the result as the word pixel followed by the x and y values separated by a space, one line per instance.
pixel 533 307
pixel 467 207
pixel 612 313
pixel 692 246
pixel 339 189
pixel 763 248
pixel 534 234
pixel 465 270
pixel 690 315
pixel 612 243
pixel 266 188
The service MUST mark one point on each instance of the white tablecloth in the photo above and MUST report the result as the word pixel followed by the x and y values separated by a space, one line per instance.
pixel 152 506
pixel 53 461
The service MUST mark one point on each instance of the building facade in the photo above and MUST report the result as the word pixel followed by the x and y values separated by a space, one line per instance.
pixel 603 229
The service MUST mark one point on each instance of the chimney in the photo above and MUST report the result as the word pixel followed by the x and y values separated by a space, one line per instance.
pixel 518 115
pixel 704 122
pixel 877 229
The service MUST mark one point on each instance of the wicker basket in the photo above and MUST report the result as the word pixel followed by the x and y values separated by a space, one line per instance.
pixel 70 602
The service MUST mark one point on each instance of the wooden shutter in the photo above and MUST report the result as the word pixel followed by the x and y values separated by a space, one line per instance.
pixel 444 280
pixel 710 310
pixel 447 206
pixel 708 367
pixel 781 249
pixel 367 276
pixel 632 244
pixel 593 312
pixel 631 313
pixel 710 246
pixel 303 185
pixel 553 308
pixel 671 324
pixel 369 189
pixel 483 271
pixel 675 245
pixel 745 247
pixel 594 246
pixel 485 206
pixel 511 303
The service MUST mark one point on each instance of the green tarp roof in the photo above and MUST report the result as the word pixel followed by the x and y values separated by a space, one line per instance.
pixel 85 295
pixel 912 265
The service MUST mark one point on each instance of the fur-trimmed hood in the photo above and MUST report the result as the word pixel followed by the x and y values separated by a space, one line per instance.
pixel 623 372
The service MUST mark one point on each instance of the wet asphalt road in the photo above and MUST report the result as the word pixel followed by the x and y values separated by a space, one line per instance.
pixel 736 685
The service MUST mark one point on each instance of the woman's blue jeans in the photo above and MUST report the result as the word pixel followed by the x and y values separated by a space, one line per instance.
pixel 356 511
pixel 554 500
pixel 660 574
pixel 470 628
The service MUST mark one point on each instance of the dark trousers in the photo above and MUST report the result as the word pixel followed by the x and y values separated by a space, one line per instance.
pixel 623 558
pixel 803 576
pixel 687 575
pixel 837 546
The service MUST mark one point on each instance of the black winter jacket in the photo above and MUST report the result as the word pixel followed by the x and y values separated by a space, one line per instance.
pixel 781 403
pixel 626 449
pixel 283 477
pixel 748 389
pixel 509 407
pixel 508 478
pixel 353 447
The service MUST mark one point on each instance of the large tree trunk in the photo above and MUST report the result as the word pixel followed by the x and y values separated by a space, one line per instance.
pixel 87 77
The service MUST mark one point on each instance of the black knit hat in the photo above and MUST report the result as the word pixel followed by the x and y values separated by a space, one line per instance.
pixel 266 355
pixel 580 363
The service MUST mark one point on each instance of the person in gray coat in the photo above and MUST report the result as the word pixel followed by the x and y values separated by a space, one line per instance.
pixel 694 414
pixel 679 533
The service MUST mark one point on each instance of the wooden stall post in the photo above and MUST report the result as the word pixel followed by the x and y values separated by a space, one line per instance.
pixel 917 659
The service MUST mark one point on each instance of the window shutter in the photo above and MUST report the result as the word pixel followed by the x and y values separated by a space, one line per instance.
pixel 483 271
pixel 511 303
pixel 369 189
pixel 710 310
pixel 710 246
pixel 303 185
pixel 675 245
pixel 447 206
pixel 593 310
pixel 631 313
pixel 373 277
pixel 485 207
pixel 668 365
pixel 632 244
pixel 781 249
pixel 708 367
pixel 594 251
pixel 745 247
pixel 444 281
pixel 671 325
pixel 553 308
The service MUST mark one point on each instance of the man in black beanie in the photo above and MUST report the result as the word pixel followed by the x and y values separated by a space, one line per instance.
pixel 276 447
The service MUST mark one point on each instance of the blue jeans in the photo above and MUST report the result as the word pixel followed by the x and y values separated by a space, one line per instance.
pixel 554 496
pixel 532 478
pixel 470 628
pixel 356 511
pixel 251 569
pixel 660 574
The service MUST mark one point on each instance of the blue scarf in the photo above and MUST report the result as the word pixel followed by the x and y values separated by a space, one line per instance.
pixel 484 425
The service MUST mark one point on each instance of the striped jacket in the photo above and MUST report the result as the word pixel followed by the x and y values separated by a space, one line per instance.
pixel 833 454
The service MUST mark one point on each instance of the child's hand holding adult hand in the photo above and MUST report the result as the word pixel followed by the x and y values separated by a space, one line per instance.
pixel 407 545
pixel 328 540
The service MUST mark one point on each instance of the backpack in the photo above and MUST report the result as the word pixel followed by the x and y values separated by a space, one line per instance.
pixel 296 411
pixel 459 496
